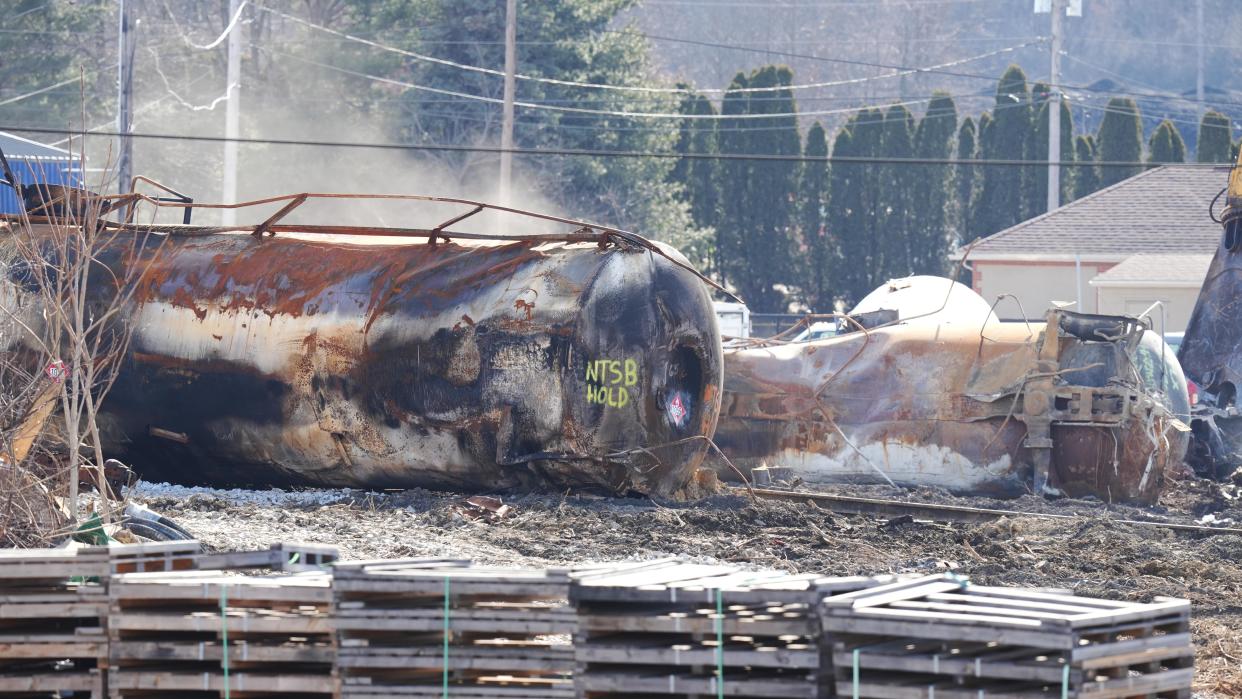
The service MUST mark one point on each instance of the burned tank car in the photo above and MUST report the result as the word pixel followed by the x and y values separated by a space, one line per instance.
pixel 954 398
pixel 1211 348
pixel 291 361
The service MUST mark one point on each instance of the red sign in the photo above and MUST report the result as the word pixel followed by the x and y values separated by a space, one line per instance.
pixel 57 371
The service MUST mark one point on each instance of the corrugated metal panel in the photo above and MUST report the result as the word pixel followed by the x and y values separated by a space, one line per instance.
pixel 38 170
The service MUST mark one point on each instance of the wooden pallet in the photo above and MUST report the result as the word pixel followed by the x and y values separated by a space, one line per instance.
pixel 408 628
pixel 205 631
pixel 941 637
pixel 284 556
pixel 669 628
pixel 53 613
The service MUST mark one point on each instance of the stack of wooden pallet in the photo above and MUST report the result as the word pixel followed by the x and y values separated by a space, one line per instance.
pixel 203 631
pixel 52 611
pixel 431 628
pixel 678 629
pixel 943 638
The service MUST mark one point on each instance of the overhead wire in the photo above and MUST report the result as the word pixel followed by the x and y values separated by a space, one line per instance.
pixel 630 114
pixel 558 108
pixel 637 88
pixel 604 153
pixel 41 90
pixel 899 71
pixel 1164 93
pixel 1126 112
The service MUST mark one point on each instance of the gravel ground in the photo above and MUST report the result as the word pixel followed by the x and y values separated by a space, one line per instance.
pixel 1092 555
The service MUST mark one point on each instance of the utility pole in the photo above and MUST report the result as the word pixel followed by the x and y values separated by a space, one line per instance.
pixel 232 118
pixel 506 128
pixel 1054 109
pixel 125 97
pixel 1199 81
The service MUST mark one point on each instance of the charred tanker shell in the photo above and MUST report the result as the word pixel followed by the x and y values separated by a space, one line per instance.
pixel 1211 349
pixel 474 366
pixel 956 399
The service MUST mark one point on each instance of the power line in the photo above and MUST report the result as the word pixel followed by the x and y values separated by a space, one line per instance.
pixel 1126 112
pixel 556 108
pixel 653 115
pixel 1146 42
pixel 40 91
pixel 638 88
pixel 790 54
pixel 1165 93
pixel 558 152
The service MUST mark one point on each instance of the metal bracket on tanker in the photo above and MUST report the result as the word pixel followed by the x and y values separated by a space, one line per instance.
pixel 1087 375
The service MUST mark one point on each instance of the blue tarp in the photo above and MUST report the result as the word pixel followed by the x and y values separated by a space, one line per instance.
pixel 38 169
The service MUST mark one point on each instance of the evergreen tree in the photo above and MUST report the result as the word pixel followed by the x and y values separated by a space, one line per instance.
pixel 759 239
pixel 1035 179
pixel 1166 145
pixel 1087 173
pixel 49 42
pixel 817 249
pixel 855 205
pixel 980 219
pixel 1120 140
pixel 1040 93
pixel 698 177
pixel 929 228
pixel 894 229
pixel 632 193
pixel 1038 202
pixel 1214 138
pixel 1002 203
pixel 735 215
pixel 965 179
pixel 843 216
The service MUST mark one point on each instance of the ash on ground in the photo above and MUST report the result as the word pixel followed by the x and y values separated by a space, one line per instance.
pixel 1093 554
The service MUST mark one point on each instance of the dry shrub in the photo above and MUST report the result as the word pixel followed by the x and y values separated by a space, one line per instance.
pixel 63 332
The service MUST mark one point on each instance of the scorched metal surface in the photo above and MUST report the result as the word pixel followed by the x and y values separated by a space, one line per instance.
pixel 1211 350
pixel 468 365
pixel 971 405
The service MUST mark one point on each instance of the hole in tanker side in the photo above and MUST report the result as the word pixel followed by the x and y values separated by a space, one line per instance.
pixel 683 391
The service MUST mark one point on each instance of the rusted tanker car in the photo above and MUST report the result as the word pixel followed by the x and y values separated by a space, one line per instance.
pixel 1080 404
pixel 588 358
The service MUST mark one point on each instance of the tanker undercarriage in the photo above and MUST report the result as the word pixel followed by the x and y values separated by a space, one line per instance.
pixel 289 353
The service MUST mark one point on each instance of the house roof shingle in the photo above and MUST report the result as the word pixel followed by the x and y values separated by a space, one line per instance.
pixel 1163 210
